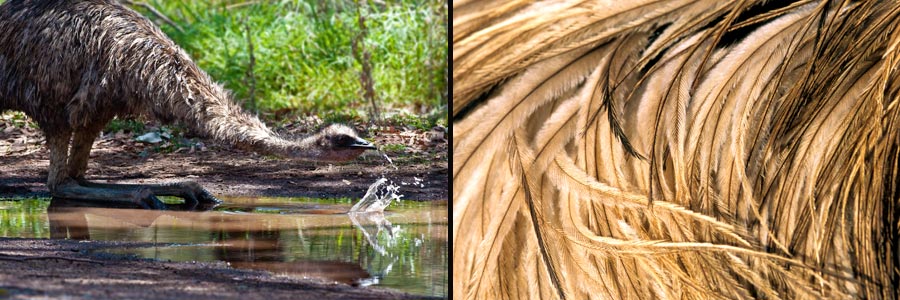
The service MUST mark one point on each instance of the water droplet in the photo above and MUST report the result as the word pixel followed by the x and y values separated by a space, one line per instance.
pixel 378 196
pixel 389 160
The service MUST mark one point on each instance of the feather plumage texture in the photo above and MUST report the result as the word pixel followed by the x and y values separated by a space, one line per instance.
pixel 676 149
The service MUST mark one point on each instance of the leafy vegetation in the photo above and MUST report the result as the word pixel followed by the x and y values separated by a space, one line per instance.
pixel 125 125
pixel 393 147
pixel 17 119
pixel 302 62
pixel 302 58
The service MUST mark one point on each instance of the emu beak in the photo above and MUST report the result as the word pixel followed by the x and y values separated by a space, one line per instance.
pixel 361 143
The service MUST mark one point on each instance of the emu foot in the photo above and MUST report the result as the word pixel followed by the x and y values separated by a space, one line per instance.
pixel 135 195
pixel 195 196
pixel 190 191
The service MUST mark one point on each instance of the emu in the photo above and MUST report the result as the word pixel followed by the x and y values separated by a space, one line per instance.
pixel 72 66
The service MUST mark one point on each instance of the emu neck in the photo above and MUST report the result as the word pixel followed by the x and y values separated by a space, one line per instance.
pixel 303 149
pixel 188 95
pixel 247 131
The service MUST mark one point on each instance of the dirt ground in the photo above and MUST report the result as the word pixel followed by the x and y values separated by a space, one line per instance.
pixel 420 158
pixel 64 269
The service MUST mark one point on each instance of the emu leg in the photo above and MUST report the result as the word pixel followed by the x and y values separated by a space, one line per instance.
pixel 62 185
pixel 192 193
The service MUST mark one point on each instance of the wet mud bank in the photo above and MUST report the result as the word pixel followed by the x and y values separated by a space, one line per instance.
pixel 67 269
pixel 231 172
pixel 419 165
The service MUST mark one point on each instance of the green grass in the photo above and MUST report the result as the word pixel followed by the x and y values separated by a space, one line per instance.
pixel 393 148
pixel 303 58
pixel 125 125
pixel 425 123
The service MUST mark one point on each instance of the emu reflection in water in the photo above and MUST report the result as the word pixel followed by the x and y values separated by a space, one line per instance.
pixel 299 240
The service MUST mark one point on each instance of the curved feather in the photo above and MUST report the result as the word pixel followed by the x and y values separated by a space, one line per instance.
pixel 770 137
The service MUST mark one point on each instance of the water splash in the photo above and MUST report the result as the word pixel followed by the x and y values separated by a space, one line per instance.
pixel 389 161
pixel 376 225
pixel 417 182
pixel 378 196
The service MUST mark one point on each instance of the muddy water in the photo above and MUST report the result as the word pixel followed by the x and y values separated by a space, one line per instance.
pixel 404 248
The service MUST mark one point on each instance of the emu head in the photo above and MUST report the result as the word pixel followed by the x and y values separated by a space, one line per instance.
pixel 334 143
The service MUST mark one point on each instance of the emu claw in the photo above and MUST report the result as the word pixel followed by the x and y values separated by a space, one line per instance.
pixel 194 194
pixel 145 198
pixel 208 198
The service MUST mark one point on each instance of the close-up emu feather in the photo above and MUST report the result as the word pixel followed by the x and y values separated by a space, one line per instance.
pixel 676 149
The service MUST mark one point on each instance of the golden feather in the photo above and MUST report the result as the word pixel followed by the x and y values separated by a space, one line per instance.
pixel 676 149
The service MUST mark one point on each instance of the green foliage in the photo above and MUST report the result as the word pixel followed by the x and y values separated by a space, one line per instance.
pixel 302 51
pixel 338 116
pixel 418 122
pixel 393 147
pixel 16 119
pixel 126 125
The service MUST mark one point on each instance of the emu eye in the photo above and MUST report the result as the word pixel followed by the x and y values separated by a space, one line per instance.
pixel 343 140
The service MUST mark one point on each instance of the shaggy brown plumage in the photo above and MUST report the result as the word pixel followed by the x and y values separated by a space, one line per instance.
pixel 608 149
pixel 74 65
